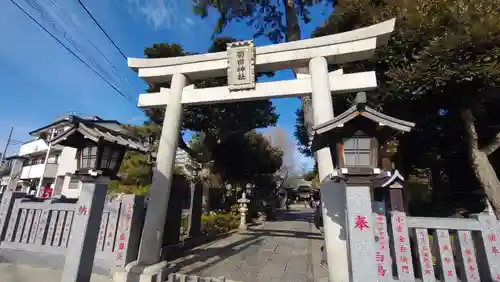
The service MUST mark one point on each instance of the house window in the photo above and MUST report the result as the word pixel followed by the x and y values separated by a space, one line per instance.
pixel 73 184
pixel 36 161
pixel 357 151
pixel 54 159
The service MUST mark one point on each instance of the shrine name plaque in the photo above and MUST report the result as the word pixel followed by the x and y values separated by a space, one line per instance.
pixel 241 65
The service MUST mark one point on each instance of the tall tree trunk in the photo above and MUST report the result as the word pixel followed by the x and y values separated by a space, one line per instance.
pixel 436 184
pixel 205 175
pixel 205 200
pixel 480 163
pixel 292 22
pixel 293 34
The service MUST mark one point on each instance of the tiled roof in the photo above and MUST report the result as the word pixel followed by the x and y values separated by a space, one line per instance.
pixel 96 131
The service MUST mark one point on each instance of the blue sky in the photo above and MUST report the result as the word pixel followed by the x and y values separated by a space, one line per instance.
pixel 40 80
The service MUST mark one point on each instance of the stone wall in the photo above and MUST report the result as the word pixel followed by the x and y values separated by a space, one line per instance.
pixel 397 247
pixel 36 232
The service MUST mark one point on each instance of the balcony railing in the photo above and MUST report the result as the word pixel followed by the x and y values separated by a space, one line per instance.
pixel 35 171
pixel 37 146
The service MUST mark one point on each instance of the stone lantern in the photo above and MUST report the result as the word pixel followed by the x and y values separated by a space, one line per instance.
pixel 355 138
pixel 243 201
pixel 100 151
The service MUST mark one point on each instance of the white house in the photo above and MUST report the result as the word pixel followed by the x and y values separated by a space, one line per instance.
pixel 52 165
pixel 35 169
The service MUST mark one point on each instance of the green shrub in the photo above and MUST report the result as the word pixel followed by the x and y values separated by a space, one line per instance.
pixel 235 208
pixel 184 224
pixel 219 222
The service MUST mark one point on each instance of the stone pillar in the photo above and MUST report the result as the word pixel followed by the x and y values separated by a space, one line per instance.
pixel 361 231
pixel 332 196
pixel 159 192
pixel 195 210
pixel 173 221
pixel 85 230
pixel 6 205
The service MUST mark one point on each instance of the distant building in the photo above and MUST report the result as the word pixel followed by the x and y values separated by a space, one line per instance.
pixel 183 161
pixel 10 171
pixel 297 187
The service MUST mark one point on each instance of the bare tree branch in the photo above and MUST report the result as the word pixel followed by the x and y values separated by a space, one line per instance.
pixel 492 146
pixel 184 146
pixel 470 128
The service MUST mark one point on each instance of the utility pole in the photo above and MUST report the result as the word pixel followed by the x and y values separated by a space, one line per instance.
pixel 39 186
pixel 7 144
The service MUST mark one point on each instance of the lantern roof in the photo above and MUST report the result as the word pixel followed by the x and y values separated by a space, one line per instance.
pixel 360 109
pixel 358 118
pixel 95 131
pixel 63 121
pixel 388 178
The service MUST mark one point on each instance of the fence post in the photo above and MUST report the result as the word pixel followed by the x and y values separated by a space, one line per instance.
pixel 421 236
pixel 488 248
pixel 383 254
pixel 10 233
pixel 468 267
pixel 401 239
pixel 129 229
pixel 445 261
pixel 6 205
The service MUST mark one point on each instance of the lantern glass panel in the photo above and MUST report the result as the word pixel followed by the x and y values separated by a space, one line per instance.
pixel 106 154
pixel 88 158
pixel 357 151
pixel 114 159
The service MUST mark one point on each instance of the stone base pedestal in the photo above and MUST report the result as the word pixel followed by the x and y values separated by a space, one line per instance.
pixel 141 273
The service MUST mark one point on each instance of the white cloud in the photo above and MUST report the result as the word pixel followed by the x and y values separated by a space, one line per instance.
pixel 163 13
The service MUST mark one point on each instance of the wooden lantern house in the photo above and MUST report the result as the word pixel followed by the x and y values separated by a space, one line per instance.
pixel 359 139
pixel 100 146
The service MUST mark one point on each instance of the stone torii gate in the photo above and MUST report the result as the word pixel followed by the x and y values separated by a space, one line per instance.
pixel 240 63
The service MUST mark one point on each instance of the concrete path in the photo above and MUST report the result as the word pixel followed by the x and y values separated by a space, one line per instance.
pixel 284 250
pixel 22 273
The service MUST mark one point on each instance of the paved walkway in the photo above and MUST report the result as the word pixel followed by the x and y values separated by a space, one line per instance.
pixel 22 273
pixel 284 250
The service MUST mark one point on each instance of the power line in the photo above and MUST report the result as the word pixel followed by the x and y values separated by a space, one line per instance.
pixel 47 16
pixel 101 28
pixel 81 33
pixel 71 51
pixel 16 142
